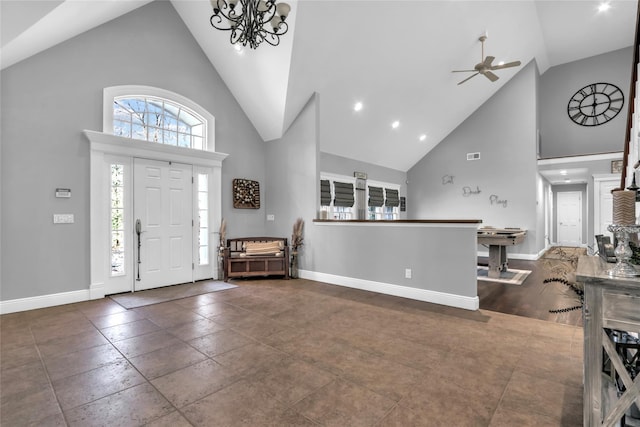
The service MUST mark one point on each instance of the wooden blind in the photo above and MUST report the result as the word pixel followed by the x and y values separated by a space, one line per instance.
pixel 343 194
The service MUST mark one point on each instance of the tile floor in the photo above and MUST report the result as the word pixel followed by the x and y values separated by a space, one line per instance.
pixel 287 353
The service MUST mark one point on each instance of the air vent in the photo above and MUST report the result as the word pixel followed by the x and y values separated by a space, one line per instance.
pixel 473 156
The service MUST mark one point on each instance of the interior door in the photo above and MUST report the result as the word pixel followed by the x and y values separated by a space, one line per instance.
pixel 163 200
pixel 569 218
pixel 604 206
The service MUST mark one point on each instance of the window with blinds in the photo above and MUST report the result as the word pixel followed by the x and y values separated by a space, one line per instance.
pixel 376 197
pixel 343 195
pixel 325 192
pixel 338 201
pixel 337 197
pixel 391 197
pixel 384 201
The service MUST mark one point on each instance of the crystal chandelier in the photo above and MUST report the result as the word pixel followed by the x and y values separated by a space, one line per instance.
pixel 251 21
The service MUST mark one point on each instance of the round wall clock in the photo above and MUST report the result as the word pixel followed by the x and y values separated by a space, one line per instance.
pixel 595 104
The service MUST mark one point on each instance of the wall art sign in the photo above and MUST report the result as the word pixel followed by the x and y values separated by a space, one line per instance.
pixel 447 179
pixel 246 194
pixel 495 200
pixel 468 191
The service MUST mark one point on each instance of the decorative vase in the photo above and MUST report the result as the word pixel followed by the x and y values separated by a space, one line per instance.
pixel 623 252
pixel 293 271
pixel 220 264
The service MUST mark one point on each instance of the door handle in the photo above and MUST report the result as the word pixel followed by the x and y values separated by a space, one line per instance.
pixel 139 233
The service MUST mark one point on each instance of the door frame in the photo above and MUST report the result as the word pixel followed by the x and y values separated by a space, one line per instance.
pixel 598 182
pixel 580 236
pixel 103 147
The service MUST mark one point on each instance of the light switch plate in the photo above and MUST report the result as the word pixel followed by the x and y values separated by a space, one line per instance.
pixel 271 217
pixel 63 218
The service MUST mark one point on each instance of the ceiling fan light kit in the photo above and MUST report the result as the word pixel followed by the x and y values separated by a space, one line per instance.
pixel 251 21
pixel 485 66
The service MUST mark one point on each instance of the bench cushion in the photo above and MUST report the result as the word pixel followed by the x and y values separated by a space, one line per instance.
pixel 263 248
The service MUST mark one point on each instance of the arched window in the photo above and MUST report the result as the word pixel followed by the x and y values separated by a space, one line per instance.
pixel 158 120
pixel 157 115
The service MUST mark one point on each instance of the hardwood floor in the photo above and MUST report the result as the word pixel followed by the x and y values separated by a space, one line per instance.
pixel 532 299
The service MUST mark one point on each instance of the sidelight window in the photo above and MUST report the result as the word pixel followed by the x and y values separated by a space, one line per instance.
pixel 117 220
pixel 203 219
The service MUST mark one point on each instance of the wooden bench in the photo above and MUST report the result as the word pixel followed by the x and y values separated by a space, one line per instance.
pixel 256 256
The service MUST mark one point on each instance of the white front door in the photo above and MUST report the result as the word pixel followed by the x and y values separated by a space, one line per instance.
pixel 569 218
pixel 163 203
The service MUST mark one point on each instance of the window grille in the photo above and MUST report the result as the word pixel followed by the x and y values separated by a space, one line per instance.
pixel 158 120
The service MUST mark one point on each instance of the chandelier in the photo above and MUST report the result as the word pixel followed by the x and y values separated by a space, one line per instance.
pixel 251 21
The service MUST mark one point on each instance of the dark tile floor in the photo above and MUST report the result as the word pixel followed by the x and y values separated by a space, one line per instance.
pixel 287 353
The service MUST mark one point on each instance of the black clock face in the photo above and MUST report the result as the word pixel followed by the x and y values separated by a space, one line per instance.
pixel 595 104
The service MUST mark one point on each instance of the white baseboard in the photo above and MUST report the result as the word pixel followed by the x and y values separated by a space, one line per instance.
pixel 42 301
pixel 442 298
pixel 97 291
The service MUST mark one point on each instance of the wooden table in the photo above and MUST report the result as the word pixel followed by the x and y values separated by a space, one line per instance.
pixel 610 303
pixel 498 239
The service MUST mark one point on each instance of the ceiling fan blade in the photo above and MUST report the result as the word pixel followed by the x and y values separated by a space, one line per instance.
pixel 490 76
pixel 468 78
pixel 464 71
pixel 507 65
pixel 487 61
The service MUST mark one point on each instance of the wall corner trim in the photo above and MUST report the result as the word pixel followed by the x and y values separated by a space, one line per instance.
pixel 452 300
pixel 97 291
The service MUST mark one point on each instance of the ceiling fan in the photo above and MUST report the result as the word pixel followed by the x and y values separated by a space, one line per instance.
pixel 484 67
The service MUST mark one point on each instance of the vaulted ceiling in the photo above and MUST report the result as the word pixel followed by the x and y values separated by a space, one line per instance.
pixel 395 57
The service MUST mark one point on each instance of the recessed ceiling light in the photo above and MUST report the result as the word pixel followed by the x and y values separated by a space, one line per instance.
pixel 395 124
pixel 563 172
pixel 358 106
pixel 423 137
pixel 604 7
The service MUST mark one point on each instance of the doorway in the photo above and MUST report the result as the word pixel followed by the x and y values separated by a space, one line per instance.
pixel 113 265
pixel 569 218
pixel 603 197
pixel 163 212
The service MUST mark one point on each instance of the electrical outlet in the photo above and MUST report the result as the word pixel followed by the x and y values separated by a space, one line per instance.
pixel 271 217
pixel 407 273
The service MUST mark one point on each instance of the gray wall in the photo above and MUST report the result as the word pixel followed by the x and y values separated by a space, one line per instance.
pixel 371 252
pixel 503 130
pixel 356 252
pixel 48 99
pixel 292 178
pixel 560 136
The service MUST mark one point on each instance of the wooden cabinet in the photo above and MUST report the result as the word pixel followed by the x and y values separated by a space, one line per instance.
pixel 611 310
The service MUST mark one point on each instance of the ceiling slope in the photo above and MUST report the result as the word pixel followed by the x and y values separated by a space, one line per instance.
pixel 395 57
